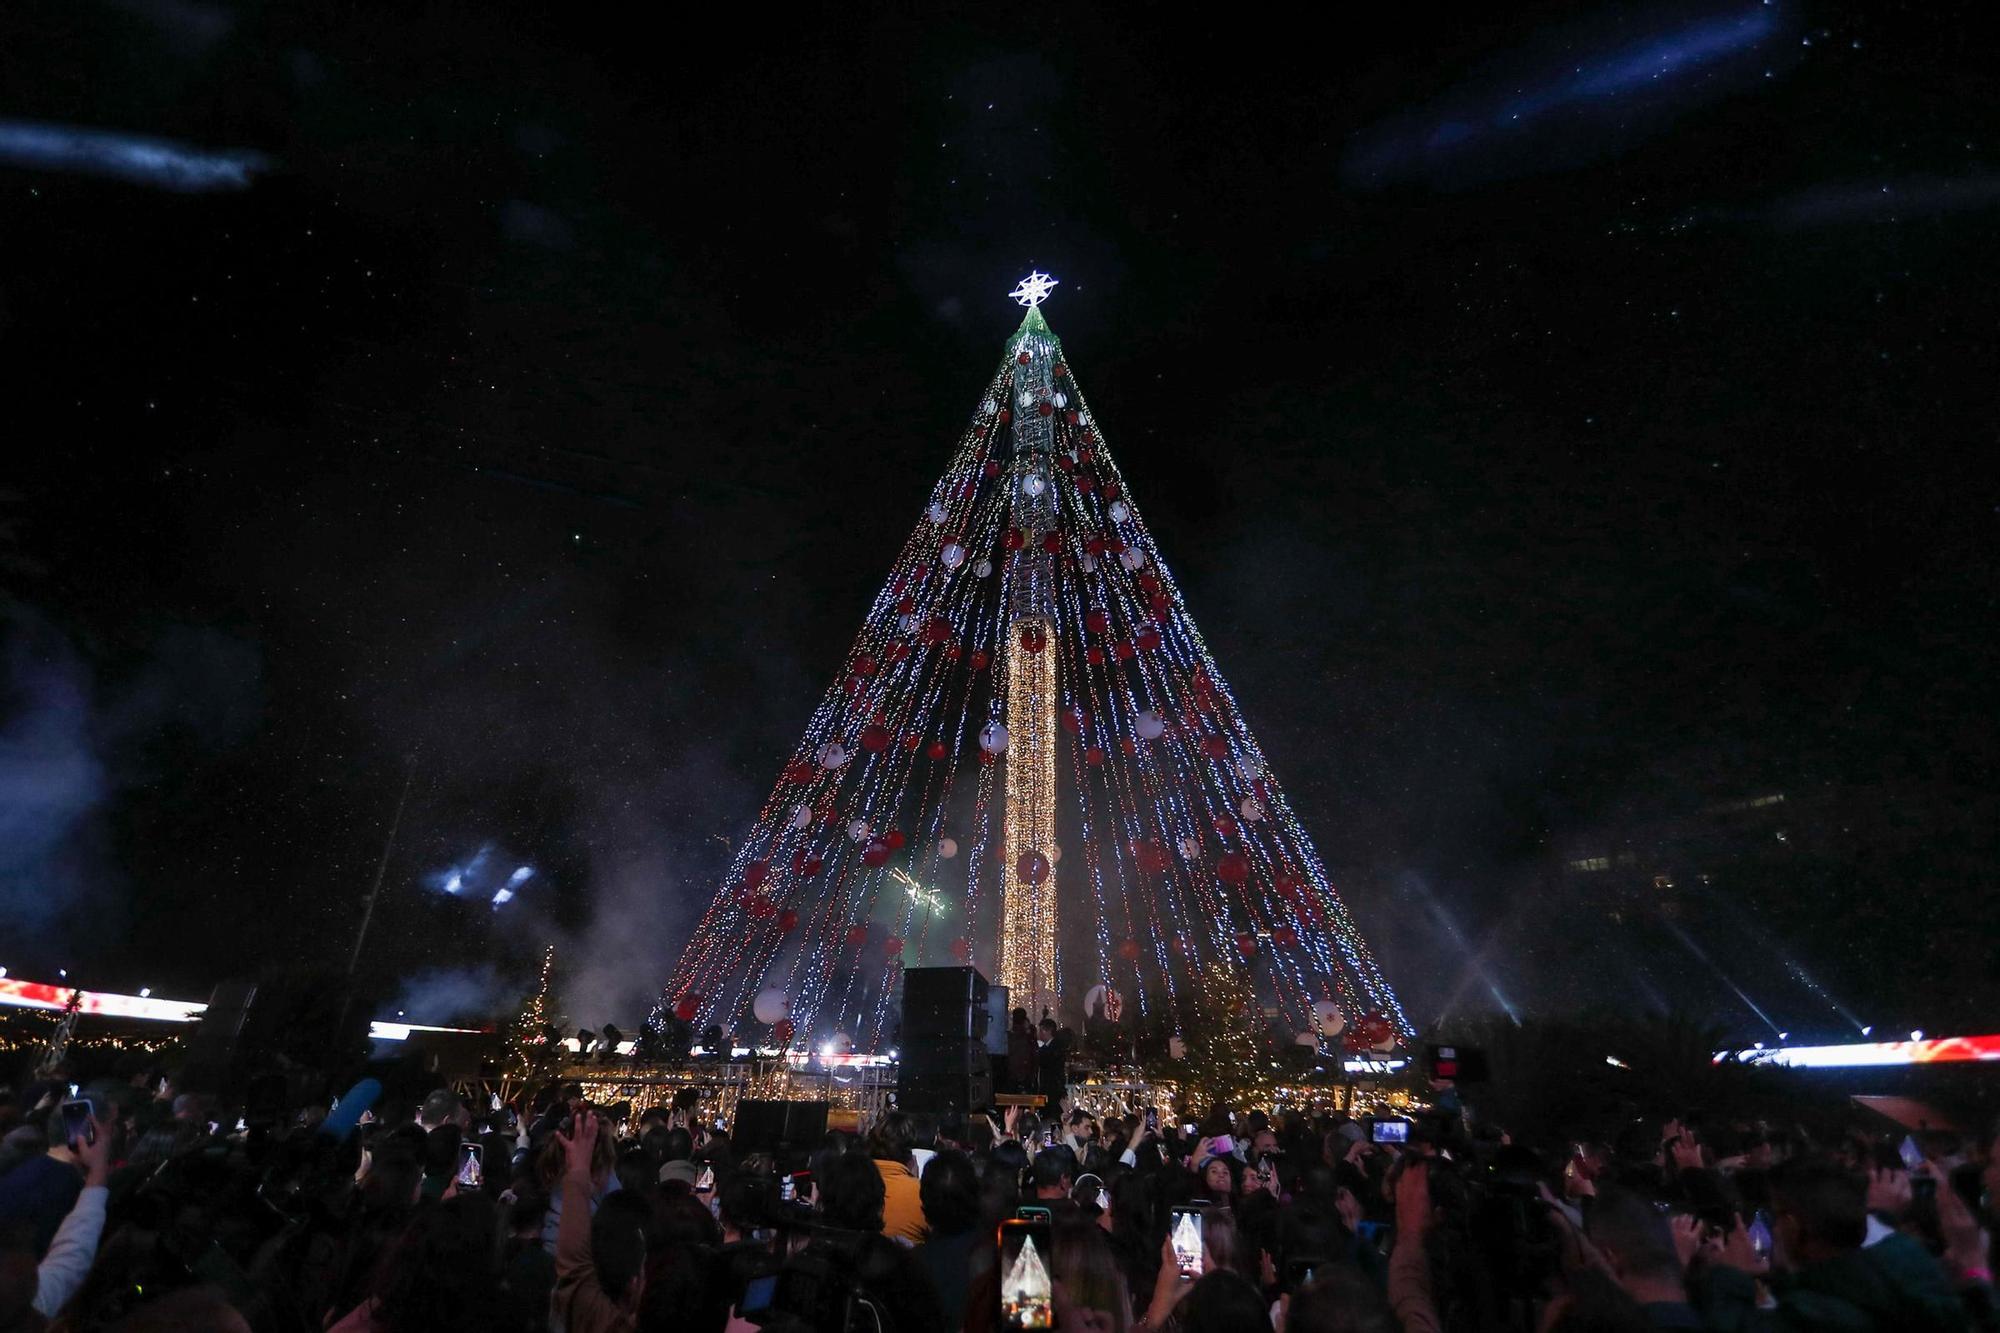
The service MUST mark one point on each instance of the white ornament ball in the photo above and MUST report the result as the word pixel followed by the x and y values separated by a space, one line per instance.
pixel 771 1005
pixel 1119 511
pixel 1329 1018
pixel 1033 484
pixel 1062 400
pixel 947 848
pixel 1190 848
pixel 842 1043
pixel 1132 558
pixel 937 511
pixel 993 738
pixel 832 755
pixel 1027 398
pixel 907 622
pixel 952 554
pixel 990 407
pixel 1252 808
pixel 1084 418
pixel 858 830
pixel 984 569
pixel 1248 767
pixel 802 815
pixel 1149 725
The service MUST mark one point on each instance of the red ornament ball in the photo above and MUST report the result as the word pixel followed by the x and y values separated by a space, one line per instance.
pixel 894 838
pixel 1095 546
pixel 1052 542
pixel 876 853
pixel 912 741
pixel 1232 867
pixel 1004 417
pixel 1024 358
pixel 756 872
pixel 1094 756
pixel 1094 655
pixel 1111 490
pixel 1015 539
pixel 1128 949
pixel 937 750
pixel 1284 935
pixel 1216 747
pixel 1060 370
pixel 1182 945
pixel 1045 408
pixel 1246 943
pixel 1148 639
pixel 1096 620
pixel 1032 868
pixel 800 772
pixel 1086 483
pixel 1226 826
pixel 892 946
pixel 1123 650
pixel 961 948
pixel 979 659
pixel 686 1008
pixel 857 935
pixel 990 468
pixel 782 1030
pixel 788 919
pixel 1034 638
pixel 864 665
pixel 804 864
pixel 875 738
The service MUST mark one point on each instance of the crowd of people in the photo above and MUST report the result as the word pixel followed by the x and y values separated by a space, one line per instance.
pixel 132 1206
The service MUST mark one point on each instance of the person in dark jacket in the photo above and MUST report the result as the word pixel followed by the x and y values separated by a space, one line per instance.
pixel 1823 1279
pixel 1021 1070
pixel 950 1191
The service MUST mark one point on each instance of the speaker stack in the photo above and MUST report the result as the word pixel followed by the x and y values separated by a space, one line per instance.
pixel 943 1065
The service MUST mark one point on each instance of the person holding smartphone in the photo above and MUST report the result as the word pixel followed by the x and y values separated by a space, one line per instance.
pixel 40 1192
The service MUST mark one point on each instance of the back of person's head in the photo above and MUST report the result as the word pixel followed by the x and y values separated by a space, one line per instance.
pixel 683 1222
pixel 1827 1206
pixel 950 1193
pixel 745 1200
pixel 1222 1302
pixel 851 1191
pixel 395 1171
pixel 1053 1168
pixel 1135 1209
pixel 1340 1299
pixel 1634 1235
pixel 619 1235
pixel 441 1107
pixel 189 1310
pixel 1082 1261
pixel 443 1270
pixel 678 1145
pixel 889 1140
pixel 1019 1019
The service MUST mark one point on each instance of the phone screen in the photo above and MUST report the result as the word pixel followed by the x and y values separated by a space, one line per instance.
pixel 1153 1118
pixel 1389 1131
pixel 1027 1293
pixel 757 1294
pixel 705 1182
pixel 787 1191
pixel 78 1127
pixel 471 1171
pixel 1185 1231
pixel 1912 1155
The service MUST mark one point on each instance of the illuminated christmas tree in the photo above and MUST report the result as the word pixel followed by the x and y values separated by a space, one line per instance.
pixel 530 1053
pixel 1028 762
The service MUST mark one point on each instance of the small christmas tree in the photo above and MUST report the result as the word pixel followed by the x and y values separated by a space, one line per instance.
pixel 530 1052
pixel 1225 1062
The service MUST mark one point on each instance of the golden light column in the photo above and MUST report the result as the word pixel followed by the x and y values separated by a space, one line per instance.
pixel 1028 911
pixel 1028 967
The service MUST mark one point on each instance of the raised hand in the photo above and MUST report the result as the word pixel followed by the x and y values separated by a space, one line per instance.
pixel 580 1144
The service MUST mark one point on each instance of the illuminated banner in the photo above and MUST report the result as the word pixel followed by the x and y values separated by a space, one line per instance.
pixel 42 995
pixel 1864 1054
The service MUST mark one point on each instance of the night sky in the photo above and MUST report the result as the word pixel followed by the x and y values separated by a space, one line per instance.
pixel 1554 414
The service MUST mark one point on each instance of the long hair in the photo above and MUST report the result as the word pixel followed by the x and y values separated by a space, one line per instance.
pixel 443 1271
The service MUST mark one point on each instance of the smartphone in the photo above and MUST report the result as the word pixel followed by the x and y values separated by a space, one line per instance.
pixel 705 1182
pixel 471 1166
pixel 1912 1155
pixel 79 1116
pixel 1759 1234
pixel 1027 1293
pixel 1389 1131
pixel 1188 1129
pixel 1030 1212
pixel 1049 1137
pixel 757 1294
pixel 1185 1230
pixel 1153 1119
pixel 787 1191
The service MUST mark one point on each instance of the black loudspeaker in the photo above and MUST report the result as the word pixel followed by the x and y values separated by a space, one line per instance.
pixel 943 1002
pixel 940 1075
pixel 212 1050
pixel 996 1020
pixel 769 1126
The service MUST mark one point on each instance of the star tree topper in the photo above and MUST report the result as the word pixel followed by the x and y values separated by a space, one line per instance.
pixel 1034 289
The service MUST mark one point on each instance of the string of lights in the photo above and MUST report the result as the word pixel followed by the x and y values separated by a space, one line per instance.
pixel 1028 635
